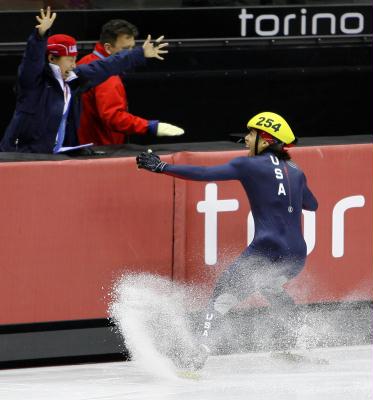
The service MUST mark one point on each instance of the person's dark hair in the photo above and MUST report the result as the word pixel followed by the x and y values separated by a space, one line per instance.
pixel 115 27
pixel 279 151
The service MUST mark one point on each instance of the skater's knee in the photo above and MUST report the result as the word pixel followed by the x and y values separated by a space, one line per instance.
pixel 275 292
pixel 279 299
pixel 224 302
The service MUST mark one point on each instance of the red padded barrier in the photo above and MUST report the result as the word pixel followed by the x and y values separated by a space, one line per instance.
pixel 69 228
pixel 340 177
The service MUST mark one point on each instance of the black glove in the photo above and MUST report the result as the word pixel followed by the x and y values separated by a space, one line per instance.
pixel 150 161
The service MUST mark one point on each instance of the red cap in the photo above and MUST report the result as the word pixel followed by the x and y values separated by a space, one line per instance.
pixel 62 45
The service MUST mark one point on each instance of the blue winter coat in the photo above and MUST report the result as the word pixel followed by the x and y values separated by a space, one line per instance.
pixel 40 99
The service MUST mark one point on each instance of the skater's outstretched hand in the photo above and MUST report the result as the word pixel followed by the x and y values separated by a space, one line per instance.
pixel 150 161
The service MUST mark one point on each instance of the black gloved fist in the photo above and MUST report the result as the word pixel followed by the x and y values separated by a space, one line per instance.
pixel 150 161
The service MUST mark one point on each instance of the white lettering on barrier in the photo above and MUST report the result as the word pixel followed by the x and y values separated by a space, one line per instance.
pixel 264 17
pixel 287 23
pixel 338 231
pixel 329 16
pixel 309 229
pixel 211 206
pixel 250 228
pixel 352 31
pixel 355 19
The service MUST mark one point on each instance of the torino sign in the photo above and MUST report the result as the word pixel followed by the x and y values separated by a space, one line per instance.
pixel 300 23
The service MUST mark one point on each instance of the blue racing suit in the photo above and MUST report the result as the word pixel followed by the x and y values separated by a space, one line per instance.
pixel 277 191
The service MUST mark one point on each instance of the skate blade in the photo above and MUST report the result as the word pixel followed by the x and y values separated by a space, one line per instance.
pixel 298 358
pixel 188 374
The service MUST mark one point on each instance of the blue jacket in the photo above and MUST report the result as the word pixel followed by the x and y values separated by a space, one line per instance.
pixel 40 99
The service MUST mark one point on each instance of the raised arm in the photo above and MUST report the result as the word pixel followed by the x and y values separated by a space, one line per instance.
pixel 100 70
pixel 224 172
pixel 33 60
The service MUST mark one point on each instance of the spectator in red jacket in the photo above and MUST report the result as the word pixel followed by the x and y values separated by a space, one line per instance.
pixel 105 118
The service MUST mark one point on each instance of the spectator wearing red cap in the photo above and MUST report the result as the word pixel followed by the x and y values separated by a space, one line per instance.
pixel 105 118
pixel 49 86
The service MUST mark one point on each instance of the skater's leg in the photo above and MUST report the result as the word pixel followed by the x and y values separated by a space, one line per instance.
pixel 233 286
pixel 224 297
pixel 219 305
pixel 285 319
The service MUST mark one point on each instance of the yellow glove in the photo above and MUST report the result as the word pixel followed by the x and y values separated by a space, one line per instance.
pixel 165 129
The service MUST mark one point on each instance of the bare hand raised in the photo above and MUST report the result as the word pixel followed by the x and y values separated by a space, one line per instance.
pixel 45 20
pixel 154 51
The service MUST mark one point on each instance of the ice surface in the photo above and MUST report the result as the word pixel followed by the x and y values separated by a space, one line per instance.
pixel 348 376
pixel 152 315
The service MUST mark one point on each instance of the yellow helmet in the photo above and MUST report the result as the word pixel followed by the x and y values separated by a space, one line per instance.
pixel 273 124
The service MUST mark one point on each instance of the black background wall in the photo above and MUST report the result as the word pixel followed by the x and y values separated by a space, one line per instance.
pixel 212 86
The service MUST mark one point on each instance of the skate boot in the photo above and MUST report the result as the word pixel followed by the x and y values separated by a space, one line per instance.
pixel 200 357
pixel 193 360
